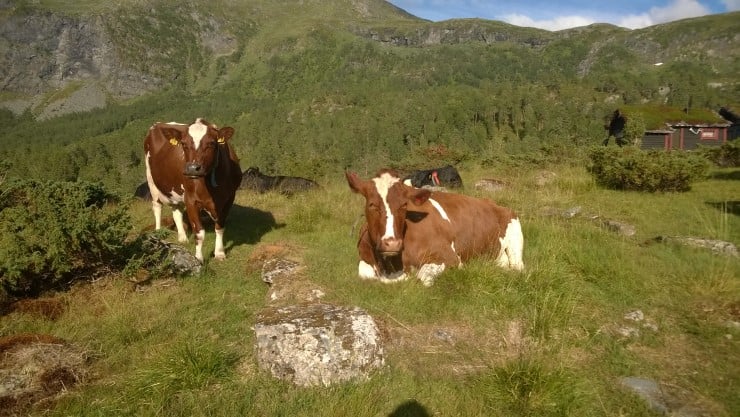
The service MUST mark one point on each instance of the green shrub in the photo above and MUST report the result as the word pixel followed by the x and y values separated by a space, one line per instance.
pixel 57 232
pixel 726 156
pixel 630 168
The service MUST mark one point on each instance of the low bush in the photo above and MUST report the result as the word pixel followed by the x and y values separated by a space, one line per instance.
pixel 57 232
pixel 726 156
pixel 630 168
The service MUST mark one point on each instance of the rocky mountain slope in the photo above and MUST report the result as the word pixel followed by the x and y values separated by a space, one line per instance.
pixel 59 59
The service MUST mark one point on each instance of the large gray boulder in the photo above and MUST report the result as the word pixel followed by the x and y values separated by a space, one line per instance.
pixel 318 344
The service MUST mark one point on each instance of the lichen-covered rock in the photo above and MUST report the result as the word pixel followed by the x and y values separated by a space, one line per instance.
pixel 318 344
pixel 719 247
pixel 490 185
pixel 175 258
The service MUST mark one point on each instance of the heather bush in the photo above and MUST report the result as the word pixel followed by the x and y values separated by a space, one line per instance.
pixel 56 232
pixel 630 168
pixel 726 156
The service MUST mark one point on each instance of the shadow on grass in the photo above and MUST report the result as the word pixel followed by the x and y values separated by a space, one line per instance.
pixel 730 207
pixel 410 408
pixel 247 225
pixel 731 175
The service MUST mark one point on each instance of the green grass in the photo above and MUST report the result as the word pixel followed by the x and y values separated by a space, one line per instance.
pixel 539 343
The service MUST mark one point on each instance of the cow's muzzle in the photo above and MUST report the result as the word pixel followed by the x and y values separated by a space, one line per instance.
pixel 390 247
pixel 194 170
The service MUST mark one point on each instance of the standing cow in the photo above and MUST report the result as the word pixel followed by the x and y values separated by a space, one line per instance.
pixel 192 166
pixel 416 230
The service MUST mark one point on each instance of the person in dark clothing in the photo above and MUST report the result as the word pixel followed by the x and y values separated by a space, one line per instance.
pixel 616 129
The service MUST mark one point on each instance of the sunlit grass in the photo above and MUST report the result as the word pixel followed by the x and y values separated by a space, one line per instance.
pixel 480 342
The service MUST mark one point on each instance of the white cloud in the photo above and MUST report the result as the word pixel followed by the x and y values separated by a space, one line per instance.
pixel 732 5
pixel 635 21
pixel 603 12
pixel 558 23
pixel 679 9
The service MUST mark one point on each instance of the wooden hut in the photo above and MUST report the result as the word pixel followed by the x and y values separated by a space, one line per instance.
pixel 686 136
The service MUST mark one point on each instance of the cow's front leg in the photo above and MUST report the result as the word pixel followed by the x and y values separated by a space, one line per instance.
pixel 428 272
pixel 200 236
pixel 219 252
pixel 198 231
pixel 366 271
pixel 177 217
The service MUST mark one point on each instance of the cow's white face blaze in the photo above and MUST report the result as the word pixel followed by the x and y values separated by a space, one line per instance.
pixel 383 185
pixel 197 131
pixel 200 150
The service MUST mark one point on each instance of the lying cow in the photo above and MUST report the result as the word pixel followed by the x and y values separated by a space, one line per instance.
pixel 253 179
pixel 142 192
pixel 192 166
pixel 416 230
pixel 446 176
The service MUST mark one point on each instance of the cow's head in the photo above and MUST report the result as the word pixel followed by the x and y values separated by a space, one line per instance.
pixel 201 144
pixel 386 206
pixel 252 172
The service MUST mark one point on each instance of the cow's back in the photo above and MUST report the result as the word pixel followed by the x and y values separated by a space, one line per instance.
pixel 475 225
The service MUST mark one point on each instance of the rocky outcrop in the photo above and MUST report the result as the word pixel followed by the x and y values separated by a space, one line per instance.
pixel 456 32
pixel 42 52
pixel 54 63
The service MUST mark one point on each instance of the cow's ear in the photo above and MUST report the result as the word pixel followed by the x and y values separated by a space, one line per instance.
pixel 174 136
pixel 224 134
pixel 419 196
pixel 353 181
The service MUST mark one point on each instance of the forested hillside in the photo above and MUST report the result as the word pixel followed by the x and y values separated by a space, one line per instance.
pixel 315 87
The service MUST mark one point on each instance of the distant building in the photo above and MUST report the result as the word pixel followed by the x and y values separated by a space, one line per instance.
pixel 687 136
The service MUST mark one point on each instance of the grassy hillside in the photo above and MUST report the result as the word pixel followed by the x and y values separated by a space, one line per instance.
pixel 316 86
pixel 552 341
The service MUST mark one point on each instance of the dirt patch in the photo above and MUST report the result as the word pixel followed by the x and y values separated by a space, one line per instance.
pixel 48 308
pixel 35 369
pixel 265 252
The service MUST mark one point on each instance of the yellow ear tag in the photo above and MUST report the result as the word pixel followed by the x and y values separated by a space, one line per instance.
pixel 221 140
pixel 173 142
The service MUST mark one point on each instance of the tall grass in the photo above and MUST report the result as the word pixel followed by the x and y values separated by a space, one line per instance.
pixel 480 342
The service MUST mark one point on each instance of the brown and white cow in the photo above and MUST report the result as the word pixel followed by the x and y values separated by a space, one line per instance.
pixel 192 166
pixel 411 230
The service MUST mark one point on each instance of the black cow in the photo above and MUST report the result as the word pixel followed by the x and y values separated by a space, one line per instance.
pixel 729 115
pixel 142 192
pixel 253 179
pixel 446 176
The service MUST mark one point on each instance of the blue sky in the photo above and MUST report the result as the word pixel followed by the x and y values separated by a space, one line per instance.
pixel 563 14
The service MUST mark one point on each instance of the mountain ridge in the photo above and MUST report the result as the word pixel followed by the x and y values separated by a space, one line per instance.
pixel 54 62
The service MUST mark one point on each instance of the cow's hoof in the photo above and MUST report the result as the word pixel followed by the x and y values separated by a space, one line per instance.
pixel 220 256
